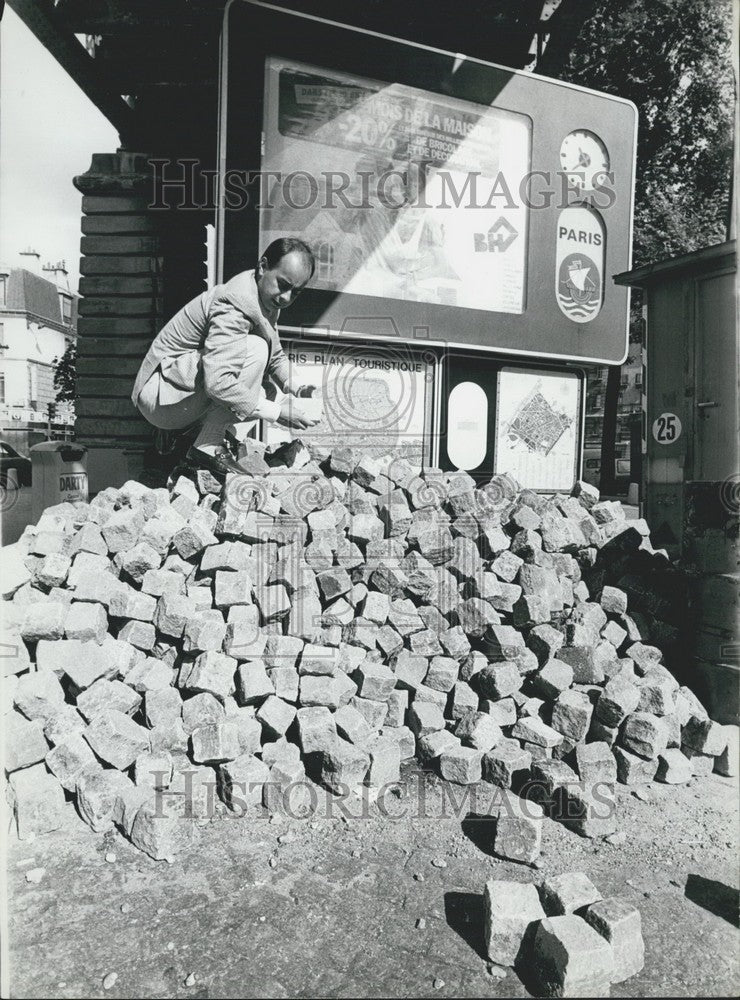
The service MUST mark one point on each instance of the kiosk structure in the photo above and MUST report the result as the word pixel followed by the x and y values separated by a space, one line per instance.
pixel 690 479
pixel 466 220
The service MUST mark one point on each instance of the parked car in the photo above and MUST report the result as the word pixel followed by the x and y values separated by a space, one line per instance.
pixel 592 470
pixel 10 459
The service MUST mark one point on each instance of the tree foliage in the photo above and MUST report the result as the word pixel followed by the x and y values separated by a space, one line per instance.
pixel 65 374
pixel 672 58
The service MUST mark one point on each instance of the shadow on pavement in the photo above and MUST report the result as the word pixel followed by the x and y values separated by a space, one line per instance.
pixel 480 831
pixel 465 914
pixel 716 897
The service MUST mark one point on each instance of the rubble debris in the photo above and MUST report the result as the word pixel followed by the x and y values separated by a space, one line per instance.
pixel 323 617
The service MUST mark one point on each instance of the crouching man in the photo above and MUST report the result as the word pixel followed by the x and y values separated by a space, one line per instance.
pixel 207 365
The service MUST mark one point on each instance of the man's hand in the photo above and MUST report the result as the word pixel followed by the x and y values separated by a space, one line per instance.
pixel 306 391
pixel 296 414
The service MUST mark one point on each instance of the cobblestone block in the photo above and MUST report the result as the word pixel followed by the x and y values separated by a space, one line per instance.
pixel 727 762
pixel 410 670
pixel 343 766
pixel 352 725
pixel 68 758
pixel 173 613
pixel 533 730
pixel 398 703
pixel 65 721
pixel 596 763
pixel 503 712
pixel 316 728
pixel 385 761
pixel 702 764
pixel 512 910
pixel 252 683
pixel 374 712
pixel 425 718
pixel 619 923
pixel 404 737
pixel 571 715
pixel 518 834
pixel 210 671
pixel 674 768
pixel 644 734
pixel 276 716
pixel 479 731
pixel 618 699
pixel 461 765
pixel 116 739
pixel 553 678
pixel 506 765
pixel 634 770
pixel 98 792
pixel 498 680
pixel 163 831
pixel 105 694
pixel 705 736
pixel 162 706
pixel 44 620
pixel 464 701
pixel 571 959
pixel 433 745
pixel 215 742
pixel 24 740
pixel 38 802
pixel 38 695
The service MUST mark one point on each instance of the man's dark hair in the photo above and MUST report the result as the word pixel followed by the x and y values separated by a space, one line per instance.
pixel 285 245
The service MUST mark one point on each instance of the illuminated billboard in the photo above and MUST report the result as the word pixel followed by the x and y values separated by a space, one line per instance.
pixel 468 205
pixel 375 173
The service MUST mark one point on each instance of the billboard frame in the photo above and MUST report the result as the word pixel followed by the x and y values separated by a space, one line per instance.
pixel 523 332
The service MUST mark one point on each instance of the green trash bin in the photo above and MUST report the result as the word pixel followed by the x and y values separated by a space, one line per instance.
pixel 59 471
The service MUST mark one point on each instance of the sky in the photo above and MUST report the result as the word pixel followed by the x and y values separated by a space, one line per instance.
pixel 48 132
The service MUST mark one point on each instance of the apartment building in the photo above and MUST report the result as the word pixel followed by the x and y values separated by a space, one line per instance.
pixel 38 319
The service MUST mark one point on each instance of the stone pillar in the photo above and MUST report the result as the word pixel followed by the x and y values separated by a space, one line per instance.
pixel 133 261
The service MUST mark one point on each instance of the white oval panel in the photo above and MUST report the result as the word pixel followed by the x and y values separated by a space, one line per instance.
pixel 579 269
pixel 467 426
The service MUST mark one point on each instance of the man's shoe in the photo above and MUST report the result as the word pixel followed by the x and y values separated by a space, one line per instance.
pixel 165 442
pixel 219 465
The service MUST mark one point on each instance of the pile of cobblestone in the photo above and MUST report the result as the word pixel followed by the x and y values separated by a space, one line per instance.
pixel 324 617
pixel 562 936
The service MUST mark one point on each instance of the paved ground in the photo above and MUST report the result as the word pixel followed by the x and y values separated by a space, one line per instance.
pixel 337 914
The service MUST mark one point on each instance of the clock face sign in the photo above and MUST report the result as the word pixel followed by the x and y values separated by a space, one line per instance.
pixel 584 156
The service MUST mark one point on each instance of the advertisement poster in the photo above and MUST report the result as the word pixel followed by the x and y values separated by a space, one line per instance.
pixel 537 428
pixel 402 193
pixel 374 399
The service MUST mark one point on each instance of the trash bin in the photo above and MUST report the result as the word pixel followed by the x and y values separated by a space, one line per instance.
pixel 59 472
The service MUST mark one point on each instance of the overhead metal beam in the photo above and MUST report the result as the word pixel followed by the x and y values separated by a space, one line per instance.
pixel 132 17
pixel 47 24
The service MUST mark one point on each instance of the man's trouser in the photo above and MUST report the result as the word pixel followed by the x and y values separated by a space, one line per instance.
pixel 169 408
